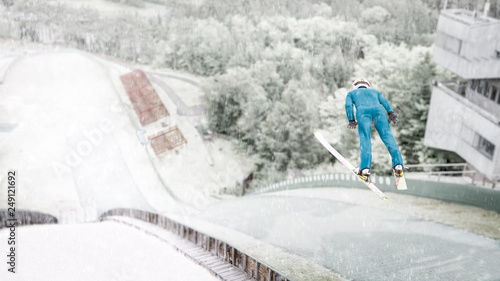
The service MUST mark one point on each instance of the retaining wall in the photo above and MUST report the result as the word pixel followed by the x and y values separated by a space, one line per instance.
pixel 24 217
pixel 226 252
pixel 488 199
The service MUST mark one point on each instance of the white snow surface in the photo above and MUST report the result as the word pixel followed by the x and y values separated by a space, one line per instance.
pixel 73 146
pixel 107 251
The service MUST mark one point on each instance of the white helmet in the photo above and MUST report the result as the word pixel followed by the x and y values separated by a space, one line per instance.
pixel 360 83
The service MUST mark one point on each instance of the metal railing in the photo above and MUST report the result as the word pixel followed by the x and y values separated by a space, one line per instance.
pixel 457 91
pixel 452 192
pixel 430 172
pixel 465 172
pixel 456 86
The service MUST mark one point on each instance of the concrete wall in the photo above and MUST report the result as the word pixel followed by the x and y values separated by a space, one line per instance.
pixel 479 34
pixel 454 124
pixel 456 193
pixel 25 217
pixel 231 255
pixel 468 45
pixel 468 69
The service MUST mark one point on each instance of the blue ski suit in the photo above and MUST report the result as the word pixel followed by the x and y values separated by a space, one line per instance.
pixel 372 106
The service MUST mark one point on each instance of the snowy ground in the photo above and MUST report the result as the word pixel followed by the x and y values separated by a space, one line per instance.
pixel 70 131
pixel 469 218
pixel 190 93
pixel 198 170
pixel 107 251
pixel 73 144
pixel 354 233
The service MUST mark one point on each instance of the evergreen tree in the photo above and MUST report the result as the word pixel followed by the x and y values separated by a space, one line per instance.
pixel 415 110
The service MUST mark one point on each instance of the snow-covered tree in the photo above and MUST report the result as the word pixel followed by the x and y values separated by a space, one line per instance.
pixel 226 97
pixel 266 74
pixel 248 47
pixel 203 47
pixel 287 139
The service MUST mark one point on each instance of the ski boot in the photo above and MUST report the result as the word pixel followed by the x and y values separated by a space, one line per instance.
pixel 399 177
pixel 398 171
pixel 363 174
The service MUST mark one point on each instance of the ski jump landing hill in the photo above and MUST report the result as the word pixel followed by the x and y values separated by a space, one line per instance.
pixel 75 138
pixel 76 145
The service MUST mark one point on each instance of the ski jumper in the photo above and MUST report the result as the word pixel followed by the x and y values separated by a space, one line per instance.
pixel 371 106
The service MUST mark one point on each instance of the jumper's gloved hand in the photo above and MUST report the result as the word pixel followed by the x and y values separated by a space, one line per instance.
pixel 352 124
pixel 393 117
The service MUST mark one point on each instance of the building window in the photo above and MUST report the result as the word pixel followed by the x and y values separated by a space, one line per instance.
pixel 486 147
pixel 454 45
pixel 473 84
pixel 480 87
pixel 486 90
pixel 449 43
pixel 493 94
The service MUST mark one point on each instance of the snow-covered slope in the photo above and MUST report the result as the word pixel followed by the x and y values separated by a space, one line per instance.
pixel 73 146
pixel 107 251
pixel 71 133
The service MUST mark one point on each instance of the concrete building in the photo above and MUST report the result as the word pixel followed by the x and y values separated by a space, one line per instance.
pixel 464 115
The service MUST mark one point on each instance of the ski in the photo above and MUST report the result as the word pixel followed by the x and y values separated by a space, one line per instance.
pixel 348 165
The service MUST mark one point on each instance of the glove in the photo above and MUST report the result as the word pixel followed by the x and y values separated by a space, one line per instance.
pixel 393 117
pixel 352 124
